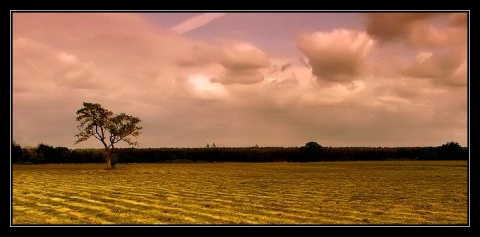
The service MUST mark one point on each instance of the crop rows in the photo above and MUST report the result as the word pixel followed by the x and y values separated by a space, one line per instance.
pixel 323 193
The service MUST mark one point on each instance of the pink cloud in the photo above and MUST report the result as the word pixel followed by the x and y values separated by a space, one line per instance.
pixel 458 20
pixel 241 61
pixel 243 76
pixel 243 56
pixel 186 90
pixel 417 29
pixel 75 73
pixel 337 55
pixel 438 66
pixel 199 55
pixel 393 26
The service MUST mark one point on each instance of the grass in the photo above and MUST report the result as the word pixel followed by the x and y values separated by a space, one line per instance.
pixel 321 193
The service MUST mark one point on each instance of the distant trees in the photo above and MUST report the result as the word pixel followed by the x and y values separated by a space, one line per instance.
pixel 213 146
pixel 106 127
pixel 310 152
pixel 29 154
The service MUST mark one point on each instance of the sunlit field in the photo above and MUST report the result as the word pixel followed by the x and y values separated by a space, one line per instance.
pixel 320 193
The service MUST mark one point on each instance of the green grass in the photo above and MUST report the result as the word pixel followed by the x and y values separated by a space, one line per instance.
pixel 322 193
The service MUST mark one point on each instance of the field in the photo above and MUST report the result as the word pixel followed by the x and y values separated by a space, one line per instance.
pixel 320 193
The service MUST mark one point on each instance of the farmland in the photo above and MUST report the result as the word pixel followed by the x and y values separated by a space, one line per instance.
pixel 231 193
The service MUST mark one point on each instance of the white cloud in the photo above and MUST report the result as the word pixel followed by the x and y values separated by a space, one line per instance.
pixel 203 88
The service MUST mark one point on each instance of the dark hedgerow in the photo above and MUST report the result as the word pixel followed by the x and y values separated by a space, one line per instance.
pixel 310 152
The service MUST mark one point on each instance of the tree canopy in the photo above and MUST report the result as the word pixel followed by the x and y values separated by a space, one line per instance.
pixel 312 151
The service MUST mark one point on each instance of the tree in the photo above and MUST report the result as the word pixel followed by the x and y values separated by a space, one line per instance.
pixel 62 155
pixel 17 152
pixel 311 151
pixel 44 154
pixel 107 128
pixel 451 151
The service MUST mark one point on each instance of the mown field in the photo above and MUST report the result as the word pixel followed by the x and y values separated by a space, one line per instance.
pixel 320 193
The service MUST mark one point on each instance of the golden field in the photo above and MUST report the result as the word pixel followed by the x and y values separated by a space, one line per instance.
pixel 319 193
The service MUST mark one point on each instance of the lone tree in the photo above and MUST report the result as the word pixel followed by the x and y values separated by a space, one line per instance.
pixel 107 128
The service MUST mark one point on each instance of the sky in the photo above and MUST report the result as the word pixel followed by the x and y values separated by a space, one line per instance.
pixel 240 79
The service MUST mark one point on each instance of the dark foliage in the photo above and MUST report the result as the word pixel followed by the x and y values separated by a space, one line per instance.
pixel 311 152
pixel 17 153
pixel 450 151
pixel 43 153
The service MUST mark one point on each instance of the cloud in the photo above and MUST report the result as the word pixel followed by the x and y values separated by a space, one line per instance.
pixel 409 88
pixel 458 20
pixel 204 88
pixel 240 76
pixel 199 54
pixel 291 81
pixel 334 94
pixel 242 56
pixel 459 76
pixel 337 55
pixel 288 76
pixel 75 73
pixel 420 45
pixel 439 66
pixel 196 22
pixel 386 27
pixel 425 35
pixel 417 29
pixel 189 92
pixel 241 62
pixel 30 58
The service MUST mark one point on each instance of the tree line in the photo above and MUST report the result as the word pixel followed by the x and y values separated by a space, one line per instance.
pixel 110 129
pixel 310 152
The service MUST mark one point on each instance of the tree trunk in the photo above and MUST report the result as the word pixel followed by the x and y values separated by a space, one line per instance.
pixel 108 159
